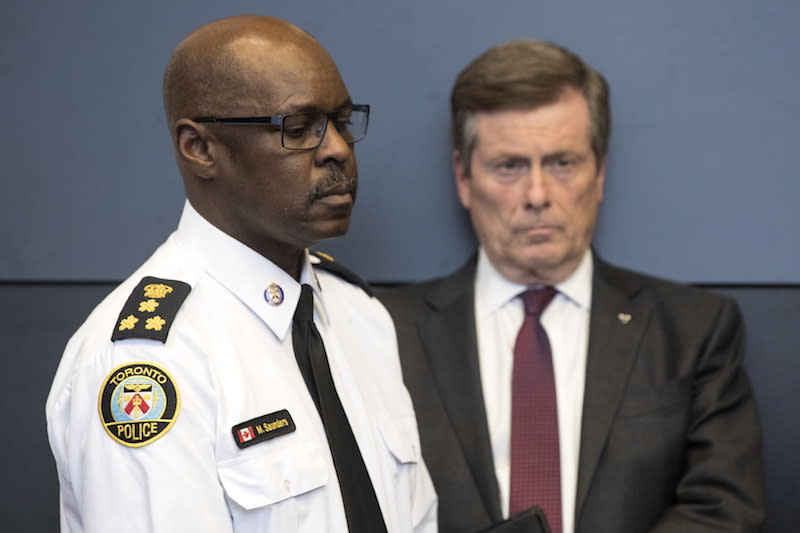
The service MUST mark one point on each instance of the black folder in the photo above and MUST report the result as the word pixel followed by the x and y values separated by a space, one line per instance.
pixel 529 521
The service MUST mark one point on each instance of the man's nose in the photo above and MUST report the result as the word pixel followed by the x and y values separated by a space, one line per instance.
pixel 333 146
pixel 538 189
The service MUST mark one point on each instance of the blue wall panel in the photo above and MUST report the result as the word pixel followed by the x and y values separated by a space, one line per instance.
pixel 702 177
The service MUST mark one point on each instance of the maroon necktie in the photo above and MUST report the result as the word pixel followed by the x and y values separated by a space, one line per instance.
pixel 535 466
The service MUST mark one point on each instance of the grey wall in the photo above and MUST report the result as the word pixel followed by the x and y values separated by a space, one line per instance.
pixel 701 187
pixel 702 181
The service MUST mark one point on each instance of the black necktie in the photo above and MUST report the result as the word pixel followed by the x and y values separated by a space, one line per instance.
pixel 360 503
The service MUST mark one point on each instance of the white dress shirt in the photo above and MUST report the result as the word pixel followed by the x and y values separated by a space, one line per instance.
pixel 230 355
pixel 499 313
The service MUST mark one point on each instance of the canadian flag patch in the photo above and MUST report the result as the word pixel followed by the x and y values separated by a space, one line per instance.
pixel 245 434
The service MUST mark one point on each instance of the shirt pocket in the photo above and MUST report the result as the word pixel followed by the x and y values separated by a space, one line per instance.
pixel 276 472
pixel 400 437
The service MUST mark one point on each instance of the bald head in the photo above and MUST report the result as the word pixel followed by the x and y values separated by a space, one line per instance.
pixel 210 71
pixel 242 178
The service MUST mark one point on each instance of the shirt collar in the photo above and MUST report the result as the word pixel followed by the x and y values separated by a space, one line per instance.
pixel 246 273
pixel 493 291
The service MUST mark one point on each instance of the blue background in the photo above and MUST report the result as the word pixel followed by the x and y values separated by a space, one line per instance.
pixel 702 181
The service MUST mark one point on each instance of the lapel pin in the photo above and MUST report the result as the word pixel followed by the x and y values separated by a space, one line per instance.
pixel 624 318
pixel 273 294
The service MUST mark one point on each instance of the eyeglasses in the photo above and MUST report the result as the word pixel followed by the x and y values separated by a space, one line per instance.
pixel 305 131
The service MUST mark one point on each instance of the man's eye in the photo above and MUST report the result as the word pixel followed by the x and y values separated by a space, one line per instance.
pixel 564 162
pixel 511 165
pixel 343 123
pixel 295 132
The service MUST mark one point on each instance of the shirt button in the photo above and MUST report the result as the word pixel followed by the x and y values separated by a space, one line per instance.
pixel 287 485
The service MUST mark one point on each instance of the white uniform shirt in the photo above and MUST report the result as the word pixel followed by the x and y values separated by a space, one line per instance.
pixel 498 317
pixel 230 356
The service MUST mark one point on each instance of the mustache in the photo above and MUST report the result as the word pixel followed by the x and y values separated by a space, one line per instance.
pixel 337 181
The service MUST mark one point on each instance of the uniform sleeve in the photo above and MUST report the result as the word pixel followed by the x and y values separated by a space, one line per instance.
pixel 722 487
pixel 137 477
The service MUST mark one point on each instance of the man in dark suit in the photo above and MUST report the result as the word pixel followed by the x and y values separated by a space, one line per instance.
pixel 622 404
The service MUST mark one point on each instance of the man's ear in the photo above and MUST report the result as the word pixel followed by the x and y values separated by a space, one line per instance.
pixel 462 178
pixel 196 148
pixel 601 179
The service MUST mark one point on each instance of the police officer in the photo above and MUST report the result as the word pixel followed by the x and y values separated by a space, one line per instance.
pixel 237 382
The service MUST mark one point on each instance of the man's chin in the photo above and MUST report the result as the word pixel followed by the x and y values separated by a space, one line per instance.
pixel 553 265
pixel 331 228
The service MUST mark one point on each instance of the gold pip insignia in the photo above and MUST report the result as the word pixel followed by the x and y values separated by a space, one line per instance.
pixel 138 403
pixel 138 318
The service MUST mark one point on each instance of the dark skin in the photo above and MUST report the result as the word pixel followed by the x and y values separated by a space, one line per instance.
pixel 276 201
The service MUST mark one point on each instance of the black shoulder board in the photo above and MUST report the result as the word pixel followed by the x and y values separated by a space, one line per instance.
pixel 151 309
pixel 326 262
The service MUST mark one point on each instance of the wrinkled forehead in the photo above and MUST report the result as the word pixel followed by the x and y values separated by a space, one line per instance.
pixel 566 116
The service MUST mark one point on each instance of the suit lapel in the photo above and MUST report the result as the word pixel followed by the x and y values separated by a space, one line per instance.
pixel 448 335
pixel 617 323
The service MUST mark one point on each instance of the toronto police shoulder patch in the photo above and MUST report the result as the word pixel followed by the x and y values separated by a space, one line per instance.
pixel 326 262
pixel 151 309
pixel 138 403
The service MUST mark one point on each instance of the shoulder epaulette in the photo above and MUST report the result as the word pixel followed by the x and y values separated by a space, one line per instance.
pixel 151 309
pixel 327 263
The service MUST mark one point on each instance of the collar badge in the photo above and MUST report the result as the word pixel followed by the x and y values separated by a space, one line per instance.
pixel 273 294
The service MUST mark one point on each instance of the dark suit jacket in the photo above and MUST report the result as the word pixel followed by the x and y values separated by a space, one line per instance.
pixel 670 437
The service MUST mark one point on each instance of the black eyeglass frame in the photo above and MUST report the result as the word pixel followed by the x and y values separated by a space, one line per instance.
pixel 278 120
